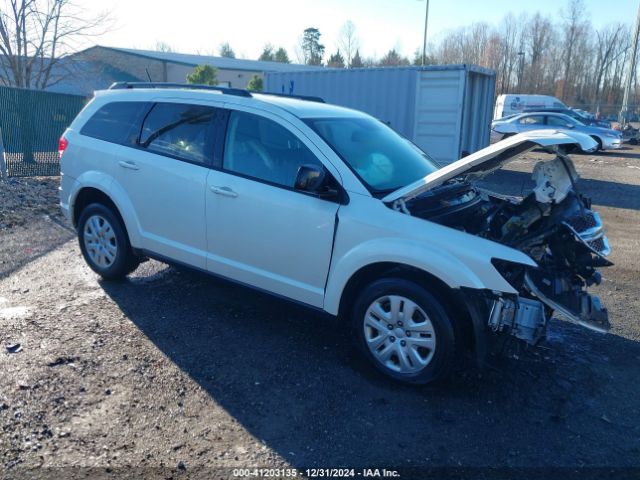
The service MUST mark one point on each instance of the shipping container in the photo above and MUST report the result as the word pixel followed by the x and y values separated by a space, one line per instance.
pixel 445 110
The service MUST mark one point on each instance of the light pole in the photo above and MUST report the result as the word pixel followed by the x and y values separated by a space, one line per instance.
pixel 424 41
pixel 521 55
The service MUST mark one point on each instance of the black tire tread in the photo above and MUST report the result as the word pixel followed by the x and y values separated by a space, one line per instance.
pixel 126 261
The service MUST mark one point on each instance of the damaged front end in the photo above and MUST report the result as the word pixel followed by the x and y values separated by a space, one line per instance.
pixel 554 225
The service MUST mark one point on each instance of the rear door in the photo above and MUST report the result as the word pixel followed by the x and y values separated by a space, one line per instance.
pixel 260 231
pixel 165 174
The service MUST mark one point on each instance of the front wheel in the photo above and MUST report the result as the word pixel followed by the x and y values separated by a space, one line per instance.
pixel 599 142
pixel 104 242
pixel 404 331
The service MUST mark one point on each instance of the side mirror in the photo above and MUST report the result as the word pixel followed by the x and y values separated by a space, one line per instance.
pixel 313 179
pixel 310 178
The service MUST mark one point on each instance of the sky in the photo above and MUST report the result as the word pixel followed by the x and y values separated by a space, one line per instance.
pixel 192 26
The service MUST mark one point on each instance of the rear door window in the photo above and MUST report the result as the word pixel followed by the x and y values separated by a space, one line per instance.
pixel 558 121
pixel 532 120
pixel 182 131
pixel 116 122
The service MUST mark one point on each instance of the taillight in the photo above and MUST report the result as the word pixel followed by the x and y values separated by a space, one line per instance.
pixel 63 143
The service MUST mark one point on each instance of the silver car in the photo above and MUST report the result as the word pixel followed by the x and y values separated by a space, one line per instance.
pixel 607 139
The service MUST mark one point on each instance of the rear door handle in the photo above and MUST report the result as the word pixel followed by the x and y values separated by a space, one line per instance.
pixel 129 165
pixel 226 191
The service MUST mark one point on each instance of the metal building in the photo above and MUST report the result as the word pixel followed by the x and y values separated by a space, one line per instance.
pixel 446 110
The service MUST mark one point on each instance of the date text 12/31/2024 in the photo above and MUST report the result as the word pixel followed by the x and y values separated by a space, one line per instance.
pixel 315 473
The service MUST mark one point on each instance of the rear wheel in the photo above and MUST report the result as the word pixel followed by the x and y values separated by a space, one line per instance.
pixel 104 242
pixel 404 331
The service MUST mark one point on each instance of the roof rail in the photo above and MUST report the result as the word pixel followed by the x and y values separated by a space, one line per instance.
pixel 238 92
pixel 297 97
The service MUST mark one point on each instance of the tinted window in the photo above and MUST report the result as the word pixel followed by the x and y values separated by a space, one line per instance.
pixel 262 149
pixel 558 121
pixel 116 122
pixel 179 130
pixel 384 160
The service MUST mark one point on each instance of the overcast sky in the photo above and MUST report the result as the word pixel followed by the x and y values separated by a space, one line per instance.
pixel 193 26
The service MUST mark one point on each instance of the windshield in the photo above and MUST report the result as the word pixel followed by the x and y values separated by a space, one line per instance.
pixel 384 160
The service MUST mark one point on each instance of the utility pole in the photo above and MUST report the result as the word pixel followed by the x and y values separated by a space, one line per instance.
pixel 624 111
pixel 521 71
pixel 424 42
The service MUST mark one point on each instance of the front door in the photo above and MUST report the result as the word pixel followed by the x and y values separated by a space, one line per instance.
pixel 260 231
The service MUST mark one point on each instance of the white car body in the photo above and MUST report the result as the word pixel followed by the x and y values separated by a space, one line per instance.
pixel 300 246
pixel 161 219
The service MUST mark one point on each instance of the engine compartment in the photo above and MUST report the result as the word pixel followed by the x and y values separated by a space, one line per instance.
pixel 553 224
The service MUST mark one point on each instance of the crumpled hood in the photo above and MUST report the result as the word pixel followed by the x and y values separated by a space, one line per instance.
pixel 492 158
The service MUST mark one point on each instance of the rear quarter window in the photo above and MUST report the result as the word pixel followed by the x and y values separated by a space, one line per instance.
pixel 116 122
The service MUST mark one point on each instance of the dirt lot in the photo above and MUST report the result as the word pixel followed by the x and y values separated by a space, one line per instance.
pixel 175 375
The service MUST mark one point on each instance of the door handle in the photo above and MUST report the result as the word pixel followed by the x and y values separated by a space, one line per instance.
pixel 129 165
pixel 226 191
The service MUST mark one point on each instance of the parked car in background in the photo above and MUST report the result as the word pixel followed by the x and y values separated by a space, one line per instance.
pixel 607 139
pixel 512 104
pixel 580 115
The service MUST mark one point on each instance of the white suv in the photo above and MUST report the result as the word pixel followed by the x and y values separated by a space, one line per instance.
pixel 330 208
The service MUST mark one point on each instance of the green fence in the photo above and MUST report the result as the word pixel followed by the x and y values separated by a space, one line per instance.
pixel 31 123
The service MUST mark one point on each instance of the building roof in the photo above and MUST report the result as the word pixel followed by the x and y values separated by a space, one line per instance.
pixel 218 62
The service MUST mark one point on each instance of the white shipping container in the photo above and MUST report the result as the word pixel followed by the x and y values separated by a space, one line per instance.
pixel 445 110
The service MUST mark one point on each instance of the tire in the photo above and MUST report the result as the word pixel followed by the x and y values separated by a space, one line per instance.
pixel 421 356
pixel 633 141
pixel 104 242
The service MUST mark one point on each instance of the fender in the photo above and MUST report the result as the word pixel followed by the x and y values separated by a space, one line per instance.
pixel 428 258
pixel 111 188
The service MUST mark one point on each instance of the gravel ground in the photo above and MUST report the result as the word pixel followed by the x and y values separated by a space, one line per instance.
pixel 172 374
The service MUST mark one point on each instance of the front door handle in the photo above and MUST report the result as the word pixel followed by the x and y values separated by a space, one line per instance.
pixel 129 165
pixel 226 191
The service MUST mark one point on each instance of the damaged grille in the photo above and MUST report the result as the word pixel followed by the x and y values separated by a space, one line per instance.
pixel 583 222
pixel 590 230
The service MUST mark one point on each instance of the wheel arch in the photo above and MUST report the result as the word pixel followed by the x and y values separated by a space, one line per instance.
pixel 598 140
pixel 89 195
pixel 437 287
pixel 102 188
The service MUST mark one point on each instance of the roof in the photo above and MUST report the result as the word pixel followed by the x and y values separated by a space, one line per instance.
pixel 218 62
pixel 296 107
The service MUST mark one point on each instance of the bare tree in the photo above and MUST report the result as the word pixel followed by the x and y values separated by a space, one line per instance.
pixel 574 27
pixel 161 46
pixel 348 41
pixel 607 50
pixel 538 35
pixel 34 34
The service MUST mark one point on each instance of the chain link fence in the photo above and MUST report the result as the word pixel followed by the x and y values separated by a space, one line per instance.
pixel 31 123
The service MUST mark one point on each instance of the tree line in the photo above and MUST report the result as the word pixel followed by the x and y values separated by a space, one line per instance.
pixel 563 56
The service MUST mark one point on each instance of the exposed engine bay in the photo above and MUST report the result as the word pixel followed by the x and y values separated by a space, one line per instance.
pixel 553 224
